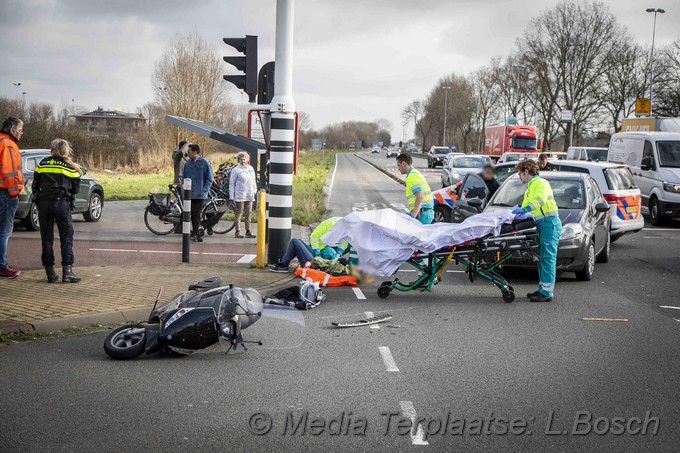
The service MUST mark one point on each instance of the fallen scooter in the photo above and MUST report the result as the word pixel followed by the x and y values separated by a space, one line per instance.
pixel 205 314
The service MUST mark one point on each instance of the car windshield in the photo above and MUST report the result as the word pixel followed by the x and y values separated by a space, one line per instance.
pixel 669 154
pixel 442 150
pixel 524 143
pixel 502 173
pixel 597 154
pixel 469 162
pixel 619 179
pixel 568 193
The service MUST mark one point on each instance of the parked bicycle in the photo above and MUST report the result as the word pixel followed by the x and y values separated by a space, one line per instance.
pixel 163 214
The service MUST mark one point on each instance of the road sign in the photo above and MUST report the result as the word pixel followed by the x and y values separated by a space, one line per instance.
pixel 256 131
pixel 567 116
pixel 642 106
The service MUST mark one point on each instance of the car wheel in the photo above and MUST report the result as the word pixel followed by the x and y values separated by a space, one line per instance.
pixel 442 214
pixel 31 221
pixel 603 257
pixel 588 270
pixel 429 164
pixel 655 212
pixel 94 208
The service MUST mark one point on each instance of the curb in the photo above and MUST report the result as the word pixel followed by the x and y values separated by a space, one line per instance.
pixel 383 170
pixel 105 318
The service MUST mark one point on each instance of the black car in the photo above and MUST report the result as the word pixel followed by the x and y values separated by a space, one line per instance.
pixel 89 201
pixel 436 156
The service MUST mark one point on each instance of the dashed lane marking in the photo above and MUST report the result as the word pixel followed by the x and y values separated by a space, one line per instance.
pixel 408 411
pixel 114 250
pixel 669 306
pixel 370 314
pixel 245 259
pixel 358 293
pixel 388 360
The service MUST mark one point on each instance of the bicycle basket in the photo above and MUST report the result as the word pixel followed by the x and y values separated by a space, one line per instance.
pixel 159 203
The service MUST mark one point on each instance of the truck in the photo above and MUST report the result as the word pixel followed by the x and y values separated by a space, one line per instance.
pixel 650 124
pixel 511 138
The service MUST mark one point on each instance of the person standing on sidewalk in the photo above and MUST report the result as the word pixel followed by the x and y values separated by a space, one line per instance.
pixel 200 172
pixel 56 182
pixel 418 192
pixel 11 185
pixel 178 160
pixel 242 190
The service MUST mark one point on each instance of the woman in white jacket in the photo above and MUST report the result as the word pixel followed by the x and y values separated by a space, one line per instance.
pixel 242 189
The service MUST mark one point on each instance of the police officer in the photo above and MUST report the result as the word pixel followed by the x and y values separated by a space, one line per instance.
pixel 418 193
pixel 56 182
pixel 540 202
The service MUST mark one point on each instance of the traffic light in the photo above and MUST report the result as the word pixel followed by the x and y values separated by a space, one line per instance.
pixel 246 63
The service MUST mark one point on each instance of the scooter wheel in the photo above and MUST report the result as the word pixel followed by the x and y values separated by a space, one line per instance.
pixel 384 291
pixel 508 296
pixel 126 342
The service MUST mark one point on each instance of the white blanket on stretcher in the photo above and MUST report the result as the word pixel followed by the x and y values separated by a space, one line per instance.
pixel 385 239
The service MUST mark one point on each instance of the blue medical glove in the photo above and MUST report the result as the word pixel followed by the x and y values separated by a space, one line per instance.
pixel 516 210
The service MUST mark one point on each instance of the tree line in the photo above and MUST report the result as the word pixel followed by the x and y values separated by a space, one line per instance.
pixel 575 56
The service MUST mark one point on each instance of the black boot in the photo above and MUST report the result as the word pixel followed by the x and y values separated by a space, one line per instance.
pixel 51 274
pixel 69 276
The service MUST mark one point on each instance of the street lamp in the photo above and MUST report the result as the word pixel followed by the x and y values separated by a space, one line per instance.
pixel 651 57
pixel 17 85
pixel 23 99
pixel 73 103
pixel 446 101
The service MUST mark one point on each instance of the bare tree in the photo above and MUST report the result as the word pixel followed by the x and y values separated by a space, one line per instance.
pixel 305 121
pixel 486 101
pixel 187 82
pixel 416 112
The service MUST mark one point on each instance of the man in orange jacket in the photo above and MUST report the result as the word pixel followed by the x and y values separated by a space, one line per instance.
pixel 11 184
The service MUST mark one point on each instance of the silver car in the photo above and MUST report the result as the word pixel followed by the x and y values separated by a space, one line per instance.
pixel 458 166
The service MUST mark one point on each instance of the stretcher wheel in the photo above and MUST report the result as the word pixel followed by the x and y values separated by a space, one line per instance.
pixel 508 296
pixel 386 283
pixel 384 291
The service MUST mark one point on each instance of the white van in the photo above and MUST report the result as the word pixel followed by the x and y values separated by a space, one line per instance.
pixel 588 153
pixel 654 160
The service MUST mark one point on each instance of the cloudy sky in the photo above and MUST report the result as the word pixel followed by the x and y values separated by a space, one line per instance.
pixel 354 59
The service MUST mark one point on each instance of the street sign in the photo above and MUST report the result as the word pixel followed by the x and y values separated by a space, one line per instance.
pixel 642 106
pixel 256 130
pixel 567 116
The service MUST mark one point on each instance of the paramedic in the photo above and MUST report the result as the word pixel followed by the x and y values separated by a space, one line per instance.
pixel 418 193
pixel 540 202
pixel 303 252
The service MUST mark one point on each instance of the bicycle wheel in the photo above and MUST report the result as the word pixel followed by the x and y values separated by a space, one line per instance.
pixel 157 225
pixel 226 223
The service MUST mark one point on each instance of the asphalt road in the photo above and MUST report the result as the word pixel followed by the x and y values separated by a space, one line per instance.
pixel 432 175
pixel 458 352
pixel 122 237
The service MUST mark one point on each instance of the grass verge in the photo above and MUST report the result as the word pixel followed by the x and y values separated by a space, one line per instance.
pixel 15 337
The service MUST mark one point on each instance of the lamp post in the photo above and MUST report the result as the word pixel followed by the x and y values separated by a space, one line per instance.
pixel 651 57
pixel 23 98
pixel 17 85
pixel 446 101
pixel 73 104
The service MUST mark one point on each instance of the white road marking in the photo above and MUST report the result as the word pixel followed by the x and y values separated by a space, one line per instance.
pixel 388 360
pixel 358 293
pixel 245 259
pixel 669 306
pixel 330 188
pixel 456 272
pixel 408 411
pixel 401 186
pixel 406 270
pixel 677 319
pixel 113 250
pixel 661 229
pixel 220 254
pixel 370 314
pixel 653 237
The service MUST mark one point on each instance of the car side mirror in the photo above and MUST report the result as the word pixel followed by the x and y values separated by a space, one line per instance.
pixel 476 203
pixel 646 164
pixel 602 207
pixel 83 170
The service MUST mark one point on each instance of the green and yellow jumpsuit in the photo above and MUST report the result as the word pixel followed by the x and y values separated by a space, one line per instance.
pixel 326 251
pixel 415 182
pixel 539 201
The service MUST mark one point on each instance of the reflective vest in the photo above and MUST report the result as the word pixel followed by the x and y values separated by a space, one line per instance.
pixel 415 182
pixel 11 177
pixel 539 199
pixel 324 278
pixel 315 238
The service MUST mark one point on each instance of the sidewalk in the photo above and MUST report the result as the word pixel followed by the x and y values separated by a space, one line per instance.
pixel 111 294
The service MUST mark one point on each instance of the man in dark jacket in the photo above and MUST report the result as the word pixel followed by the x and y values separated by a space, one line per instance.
pixel 200 172
pixel 543 163
pixel 178 159
pixel 488 174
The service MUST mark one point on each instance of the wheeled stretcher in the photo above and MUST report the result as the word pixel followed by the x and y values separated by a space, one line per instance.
pixel 481 258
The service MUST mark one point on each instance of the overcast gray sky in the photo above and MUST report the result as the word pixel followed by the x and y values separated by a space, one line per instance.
pixel 354 59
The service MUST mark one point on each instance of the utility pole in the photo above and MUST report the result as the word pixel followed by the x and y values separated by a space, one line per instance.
pixel 651 57
pixel 446 101
pixel 282 141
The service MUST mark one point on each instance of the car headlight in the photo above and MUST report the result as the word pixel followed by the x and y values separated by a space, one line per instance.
pixel 671 187
pixel 455 175
pixel 571 231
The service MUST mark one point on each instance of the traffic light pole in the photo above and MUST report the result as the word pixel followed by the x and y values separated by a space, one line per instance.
pixel 282 141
